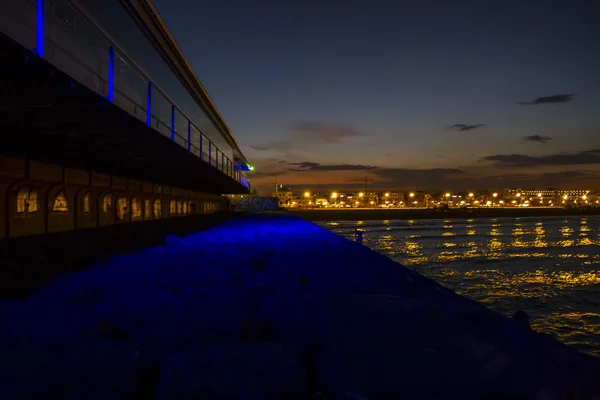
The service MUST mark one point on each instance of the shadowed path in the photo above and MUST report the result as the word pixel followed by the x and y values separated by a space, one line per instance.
pixel 272 307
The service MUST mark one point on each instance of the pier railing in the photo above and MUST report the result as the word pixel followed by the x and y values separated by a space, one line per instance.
pixel 65 34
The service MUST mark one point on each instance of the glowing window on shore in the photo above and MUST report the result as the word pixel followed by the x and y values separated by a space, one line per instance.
pixel 136 211
pixel 32 205
pixel 106 203
pixel 27 200
pixel 86 203
pixel 22 199
pixel 172 207
pixel 60 204
pixel 157 208
pixel 147 209
pixel 179 207
pixel 122 208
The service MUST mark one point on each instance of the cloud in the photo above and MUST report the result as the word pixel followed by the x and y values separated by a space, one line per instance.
pixel 274 145
pixel 319 131
pixel 265 174
pixel 519 160
pixel 537 138
pixel 259 148
pixel 308 134
pixel 465 127
pixel 554 99
pixel 311 166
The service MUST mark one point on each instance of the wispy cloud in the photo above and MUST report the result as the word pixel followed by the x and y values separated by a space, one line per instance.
pixel 519 160
pixel 311 166
pixel 537 138
pixel 465 127
pixel 323 132
pixel 554 99
pixel 259 148
pixel 309 133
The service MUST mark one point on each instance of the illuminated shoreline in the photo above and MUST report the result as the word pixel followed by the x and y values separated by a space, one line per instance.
pixel 366 214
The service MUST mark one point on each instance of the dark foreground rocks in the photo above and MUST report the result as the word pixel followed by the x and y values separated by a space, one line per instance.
pixel 272 307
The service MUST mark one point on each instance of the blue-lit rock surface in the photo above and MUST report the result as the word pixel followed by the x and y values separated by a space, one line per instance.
pixel 272 307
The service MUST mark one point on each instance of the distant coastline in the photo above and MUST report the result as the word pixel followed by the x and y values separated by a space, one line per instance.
pixel 366 214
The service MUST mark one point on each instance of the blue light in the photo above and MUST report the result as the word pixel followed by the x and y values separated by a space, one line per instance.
pixel 40 29
pixel 111 74
pixel 149 105
pixel 189 135
pixel 173 123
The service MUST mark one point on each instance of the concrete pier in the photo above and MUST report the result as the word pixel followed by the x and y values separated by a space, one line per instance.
pixel 270 306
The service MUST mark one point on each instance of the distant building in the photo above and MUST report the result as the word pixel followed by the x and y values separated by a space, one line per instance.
pixel 284 196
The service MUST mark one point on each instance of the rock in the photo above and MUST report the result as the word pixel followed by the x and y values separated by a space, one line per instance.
pixel 522 320
pixel 105 330
pixel 74 369
pixel 172 240
pixel 236 371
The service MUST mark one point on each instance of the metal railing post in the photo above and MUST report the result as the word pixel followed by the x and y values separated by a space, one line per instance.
pixel 149 105
pixel 189 135
pixel 39 39
pixel 111 74
pixel 201 150
pixel 172 122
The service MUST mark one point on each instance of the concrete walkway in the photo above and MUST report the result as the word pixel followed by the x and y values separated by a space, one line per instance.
pixel 273 307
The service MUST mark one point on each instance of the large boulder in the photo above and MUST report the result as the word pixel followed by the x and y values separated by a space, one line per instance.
pixel 236 371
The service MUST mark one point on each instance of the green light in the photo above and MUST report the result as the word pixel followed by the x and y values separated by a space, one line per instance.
pixel 250 167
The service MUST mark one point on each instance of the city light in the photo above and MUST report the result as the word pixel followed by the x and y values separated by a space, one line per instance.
pixel 389 199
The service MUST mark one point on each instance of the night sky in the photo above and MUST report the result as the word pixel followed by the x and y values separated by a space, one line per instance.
pixel 413 94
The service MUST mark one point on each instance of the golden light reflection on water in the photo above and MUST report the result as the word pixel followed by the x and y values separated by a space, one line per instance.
pixel 573 328
pixel 550 267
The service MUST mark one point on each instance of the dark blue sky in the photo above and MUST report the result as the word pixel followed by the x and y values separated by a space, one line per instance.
pixel 326 92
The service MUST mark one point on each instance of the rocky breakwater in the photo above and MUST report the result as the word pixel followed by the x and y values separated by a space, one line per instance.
pixel 272 307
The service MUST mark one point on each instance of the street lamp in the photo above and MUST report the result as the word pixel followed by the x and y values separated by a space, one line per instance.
pixel 387 195
pixel 447 194
pixel 412 195
pixel 306 194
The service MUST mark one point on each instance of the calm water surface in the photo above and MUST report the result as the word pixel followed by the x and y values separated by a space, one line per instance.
pixel 547 267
